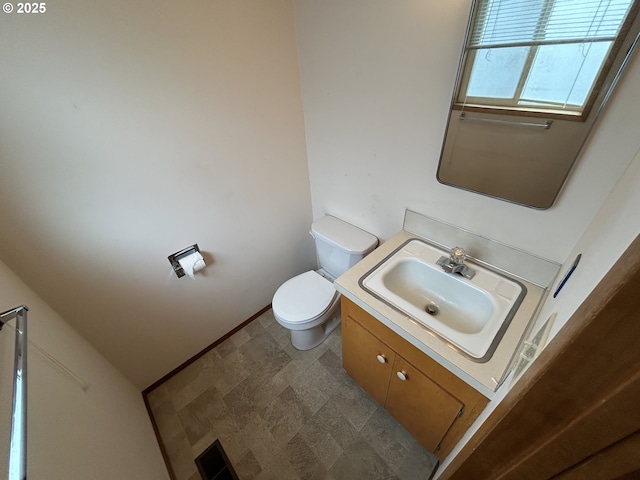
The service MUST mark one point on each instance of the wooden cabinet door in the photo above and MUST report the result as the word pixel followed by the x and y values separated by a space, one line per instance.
pixel 360 351
pixel 420 405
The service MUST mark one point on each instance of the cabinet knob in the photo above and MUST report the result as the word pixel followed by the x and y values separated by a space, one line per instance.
pixel 381 358
pixel 402 375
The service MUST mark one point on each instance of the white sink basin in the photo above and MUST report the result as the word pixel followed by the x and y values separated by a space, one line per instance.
pixel 471 316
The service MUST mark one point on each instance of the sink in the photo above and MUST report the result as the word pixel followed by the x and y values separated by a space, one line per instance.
pixel 470 316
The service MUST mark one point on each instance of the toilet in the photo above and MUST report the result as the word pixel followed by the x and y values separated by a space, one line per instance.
pixel 307 304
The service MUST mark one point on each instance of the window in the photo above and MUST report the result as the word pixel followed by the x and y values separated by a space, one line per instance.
pixel 545 56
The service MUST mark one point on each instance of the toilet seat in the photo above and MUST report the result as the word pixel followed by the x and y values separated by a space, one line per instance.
pixel 304 298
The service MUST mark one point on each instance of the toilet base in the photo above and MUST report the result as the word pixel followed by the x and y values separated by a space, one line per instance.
pixel 314 336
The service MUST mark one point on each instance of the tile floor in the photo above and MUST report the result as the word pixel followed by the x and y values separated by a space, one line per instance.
pixel 281 413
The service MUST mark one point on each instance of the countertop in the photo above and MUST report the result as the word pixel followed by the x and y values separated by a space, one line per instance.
pixel 484 377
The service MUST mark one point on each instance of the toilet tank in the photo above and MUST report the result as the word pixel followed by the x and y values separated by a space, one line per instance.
pixel 340 245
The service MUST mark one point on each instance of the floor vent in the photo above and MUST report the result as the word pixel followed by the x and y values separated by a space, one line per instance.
pixel 213 464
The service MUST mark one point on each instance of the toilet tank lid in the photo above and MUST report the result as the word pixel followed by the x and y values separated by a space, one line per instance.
pixel 343 235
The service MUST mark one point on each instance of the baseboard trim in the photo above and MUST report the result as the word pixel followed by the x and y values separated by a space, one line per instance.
pixel 163 450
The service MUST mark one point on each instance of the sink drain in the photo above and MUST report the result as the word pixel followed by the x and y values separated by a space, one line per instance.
pixel 432 310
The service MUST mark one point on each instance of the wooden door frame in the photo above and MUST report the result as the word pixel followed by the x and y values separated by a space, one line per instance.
pixel 593 353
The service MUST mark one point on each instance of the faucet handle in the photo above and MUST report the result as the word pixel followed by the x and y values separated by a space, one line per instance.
pixel 458 255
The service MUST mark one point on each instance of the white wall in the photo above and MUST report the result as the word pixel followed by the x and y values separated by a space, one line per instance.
pixel 130 130
pixel 616 223
pixel 101 433
pixel 377 78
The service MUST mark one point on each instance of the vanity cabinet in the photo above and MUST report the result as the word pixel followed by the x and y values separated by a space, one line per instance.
pixel 431 403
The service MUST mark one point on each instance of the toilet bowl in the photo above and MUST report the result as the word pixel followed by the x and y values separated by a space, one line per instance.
pixel 308 305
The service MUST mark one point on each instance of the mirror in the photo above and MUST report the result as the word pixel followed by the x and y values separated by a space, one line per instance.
pixel 532 80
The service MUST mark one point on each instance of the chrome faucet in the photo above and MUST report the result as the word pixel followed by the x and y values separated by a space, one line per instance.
pixel 455 263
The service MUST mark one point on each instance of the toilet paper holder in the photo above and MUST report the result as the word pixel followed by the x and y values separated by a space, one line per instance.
pixel 174 258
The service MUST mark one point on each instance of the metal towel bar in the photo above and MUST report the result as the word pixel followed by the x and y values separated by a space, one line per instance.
pixel 546 125
pixel 18 449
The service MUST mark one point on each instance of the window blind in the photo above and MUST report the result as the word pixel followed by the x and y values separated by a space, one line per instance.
pixel 512 23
